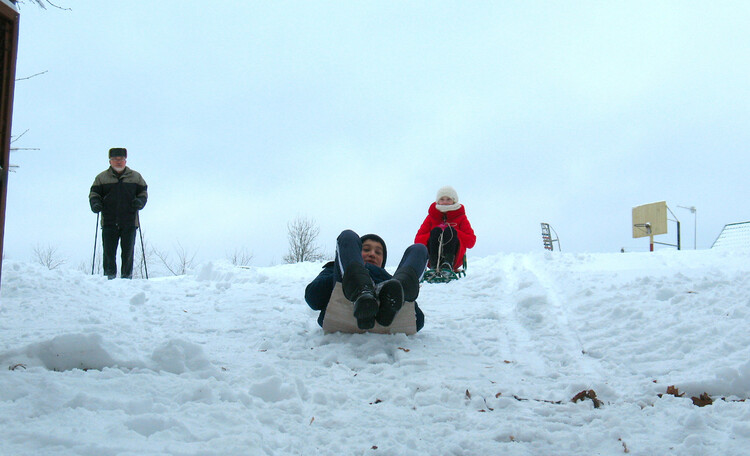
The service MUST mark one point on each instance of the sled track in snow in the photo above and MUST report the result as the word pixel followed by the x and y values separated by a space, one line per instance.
pixel 540 312
pixel 528 312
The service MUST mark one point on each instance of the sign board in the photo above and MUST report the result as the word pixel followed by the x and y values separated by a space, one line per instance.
pixel 650 219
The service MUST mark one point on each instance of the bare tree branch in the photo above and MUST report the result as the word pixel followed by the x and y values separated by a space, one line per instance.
pixel 42 4
pixel 141 260
pixel 58 7
pixel 184 263
pixel 85 266
pixel 164 257
pixel 17 137
pixel 181 265
pixel 240 257
pixel 32 76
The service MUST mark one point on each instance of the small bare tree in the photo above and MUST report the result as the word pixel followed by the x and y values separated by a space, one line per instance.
pixel 240 257
pixel 302 234
pixel 47 257
pixel 183 262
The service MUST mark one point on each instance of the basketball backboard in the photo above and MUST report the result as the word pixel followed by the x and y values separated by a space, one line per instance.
pixel 650 219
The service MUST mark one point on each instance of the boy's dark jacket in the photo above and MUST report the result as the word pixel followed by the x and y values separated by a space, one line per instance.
pixel 318 292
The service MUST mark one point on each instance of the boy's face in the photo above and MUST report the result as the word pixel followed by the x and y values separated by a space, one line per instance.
pixel 372 252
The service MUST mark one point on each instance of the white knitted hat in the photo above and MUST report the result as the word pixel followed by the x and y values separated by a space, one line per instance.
pixel 448 191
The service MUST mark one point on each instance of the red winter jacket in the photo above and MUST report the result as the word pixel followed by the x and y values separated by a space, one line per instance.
pixel 457 219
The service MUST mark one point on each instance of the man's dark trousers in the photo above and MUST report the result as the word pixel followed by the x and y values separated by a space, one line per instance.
pixel 125 236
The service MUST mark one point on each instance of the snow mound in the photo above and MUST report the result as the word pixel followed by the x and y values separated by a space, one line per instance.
pixel 72 351
pixel 180 356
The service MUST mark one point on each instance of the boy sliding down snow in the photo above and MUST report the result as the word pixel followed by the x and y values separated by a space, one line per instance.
pixel 376 297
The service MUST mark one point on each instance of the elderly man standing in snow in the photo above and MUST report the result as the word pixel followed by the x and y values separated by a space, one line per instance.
pixel 118 193
pixel 354 293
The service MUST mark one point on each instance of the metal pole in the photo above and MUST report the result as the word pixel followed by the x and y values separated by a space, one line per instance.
pixel 96 233
pixel 140 233
pixel 695 228
pixel 695 224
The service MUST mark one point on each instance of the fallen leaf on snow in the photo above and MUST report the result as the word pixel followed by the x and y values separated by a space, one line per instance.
pixel 703 400
pixel 672 390
pixel 587 394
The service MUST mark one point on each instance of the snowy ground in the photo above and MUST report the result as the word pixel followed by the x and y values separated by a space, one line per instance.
pixel 229 361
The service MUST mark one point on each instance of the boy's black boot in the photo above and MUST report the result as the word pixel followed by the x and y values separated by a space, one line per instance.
pixel 358 288
pixel 409 282
pixel 391 297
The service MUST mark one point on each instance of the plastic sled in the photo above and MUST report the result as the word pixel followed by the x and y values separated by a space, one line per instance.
pixel 340 317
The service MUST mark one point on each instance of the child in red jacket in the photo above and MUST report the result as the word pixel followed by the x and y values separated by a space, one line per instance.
pixel 446 224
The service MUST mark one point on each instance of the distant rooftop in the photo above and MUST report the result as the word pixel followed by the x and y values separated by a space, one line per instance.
pixel 733 236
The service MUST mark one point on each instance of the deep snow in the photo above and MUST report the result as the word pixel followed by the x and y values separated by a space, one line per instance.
pixel 230 361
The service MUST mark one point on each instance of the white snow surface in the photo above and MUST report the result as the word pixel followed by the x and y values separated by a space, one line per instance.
pixel 230 361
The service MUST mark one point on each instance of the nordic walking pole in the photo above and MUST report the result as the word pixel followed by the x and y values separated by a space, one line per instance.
pixel 96 233
pixel 140 233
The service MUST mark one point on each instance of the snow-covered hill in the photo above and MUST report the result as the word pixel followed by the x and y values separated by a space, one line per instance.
pixel 230 361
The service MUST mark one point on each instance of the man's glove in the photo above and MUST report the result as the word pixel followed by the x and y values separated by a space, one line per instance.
pixel 137 204
pixel 96 206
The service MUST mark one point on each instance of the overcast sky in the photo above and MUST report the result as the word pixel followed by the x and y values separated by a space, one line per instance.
pixel 242 115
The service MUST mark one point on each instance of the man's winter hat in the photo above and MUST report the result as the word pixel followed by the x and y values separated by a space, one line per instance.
pixel 118 152
pixel 376 238
pixel 448 191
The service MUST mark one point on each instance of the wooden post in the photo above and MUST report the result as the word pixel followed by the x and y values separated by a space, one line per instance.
pixel 8 51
